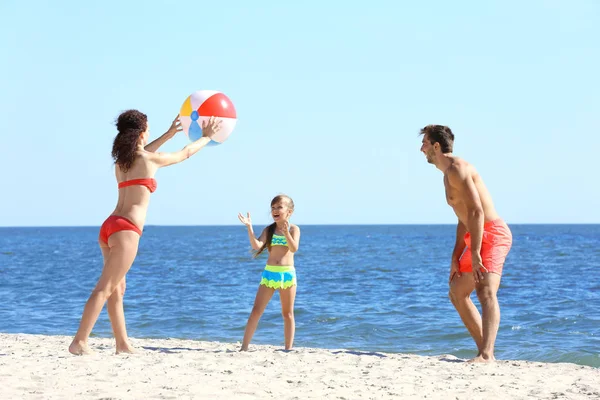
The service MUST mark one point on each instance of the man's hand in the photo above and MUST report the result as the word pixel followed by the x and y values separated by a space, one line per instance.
pixel 477 265
pixel 454 270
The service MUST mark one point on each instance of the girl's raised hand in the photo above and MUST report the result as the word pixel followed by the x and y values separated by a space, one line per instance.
pixel 245 220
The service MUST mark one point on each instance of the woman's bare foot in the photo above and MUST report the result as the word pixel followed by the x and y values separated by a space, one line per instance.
pixel 79 348
pixel 482 359
pixel 125 348
pixel 244 348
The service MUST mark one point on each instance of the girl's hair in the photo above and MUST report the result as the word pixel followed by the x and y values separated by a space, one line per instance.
pixel 130 124
pixel 271 228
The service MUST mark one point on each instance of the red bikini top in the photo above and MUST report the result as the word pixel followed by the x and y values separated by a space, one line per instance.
pixel 150 183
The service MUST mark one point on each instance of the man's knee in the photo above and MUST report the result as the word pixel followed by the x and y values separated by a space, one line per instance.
pixel 486 294
pixel 458 292
pixel 451 296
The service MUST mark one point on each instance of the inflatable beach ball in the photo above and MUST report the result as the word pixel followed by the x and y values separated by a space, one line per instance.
pixel 200 106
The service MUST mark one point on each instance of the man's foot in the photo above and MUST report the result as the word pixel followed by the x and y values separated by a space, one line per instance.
pixel 79 348
pixel 125 348
pixel 482 359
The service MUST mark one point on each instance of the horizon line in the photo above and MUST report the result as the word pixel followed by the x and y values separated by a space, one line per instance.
pixel 337 224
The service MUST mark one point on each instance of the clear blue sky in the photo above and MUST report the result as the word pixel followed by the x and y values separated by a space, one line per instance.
pixel 330 99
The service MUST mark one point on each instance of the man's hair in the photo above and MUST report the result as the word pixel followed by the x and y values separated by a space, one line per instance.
pixel 440 134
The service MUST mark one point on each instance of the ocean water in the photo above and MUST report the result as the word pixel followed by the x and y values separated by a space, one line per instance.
pixel 372 288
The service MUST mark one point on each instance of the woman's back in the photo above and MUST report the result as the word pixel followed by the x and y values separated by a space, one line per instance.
pixel 135 188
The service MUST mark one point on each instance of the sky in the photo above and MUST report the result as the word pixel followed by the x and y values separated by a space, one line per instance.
pixel 330 98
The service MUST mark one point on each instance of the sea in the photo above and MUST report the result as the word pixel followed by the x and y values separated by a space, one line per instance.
pixel 376 288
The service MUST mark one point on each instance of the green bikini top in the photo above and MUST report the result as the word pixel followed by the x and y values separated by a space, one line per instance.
pixel 279 240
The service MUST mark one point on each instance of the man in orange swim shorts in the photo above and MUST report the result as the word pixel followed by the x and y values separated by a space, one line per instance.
pixel 483 241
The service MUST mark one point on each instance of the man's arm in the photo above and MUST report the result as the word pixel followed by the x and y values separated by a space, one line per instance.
pixel 459 246
pixel 460 179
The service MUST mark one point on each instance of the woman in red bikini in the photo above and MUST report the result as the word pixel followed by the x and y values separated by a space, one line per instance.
pixel 136 164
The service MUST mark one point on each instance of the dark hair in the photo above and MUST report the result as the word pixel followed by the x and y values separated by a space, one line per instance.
pixel 130 124
pixel 440 134
pixel 271 228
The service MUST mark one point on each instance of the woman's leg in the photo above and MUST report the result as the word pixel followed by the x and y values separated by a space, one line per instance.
pixel 116 314
pixel 114 306
pixel 123 249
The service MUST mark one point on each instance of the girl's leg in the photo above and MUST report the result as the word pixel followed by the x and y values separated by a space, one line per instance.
pixel 263 296
pixel 123 249
pixel 288 296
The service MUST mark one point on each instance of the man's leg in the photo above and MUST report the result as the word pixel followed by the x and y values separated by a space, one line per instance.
pixel 490 310
pixel 460 295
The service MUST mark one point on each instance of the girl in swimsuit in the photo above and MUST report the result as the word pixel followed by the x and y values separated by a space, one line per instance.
pixel 282 240
pixel 136 163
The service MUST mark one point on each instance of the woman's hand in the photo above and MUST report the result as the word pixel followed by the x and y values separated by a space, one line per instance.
pixel 210 127
pixel 175 127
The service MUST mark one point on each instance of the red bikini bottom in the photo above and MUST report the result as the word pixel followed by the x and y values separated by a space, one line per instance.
pixel 114 224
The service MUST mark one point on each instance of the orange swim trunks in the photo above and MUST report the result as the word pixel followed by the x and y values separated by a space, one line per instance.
pixel 495 245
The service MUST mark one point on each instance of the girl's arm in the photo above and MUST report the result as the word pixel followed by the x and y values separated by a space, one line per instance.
pixel 254 242
pixel 292 235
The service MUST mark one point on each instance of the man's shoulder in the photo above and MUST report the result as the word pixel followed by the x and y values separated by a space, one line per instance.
pixel 460 169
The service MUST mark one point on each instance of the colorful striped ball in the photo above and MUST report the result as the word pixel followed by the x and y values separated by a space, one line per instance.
pixel 200 106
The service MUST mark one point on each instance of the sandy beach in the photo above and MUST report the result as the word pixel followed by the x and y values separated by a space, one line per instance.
pixel 39 367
